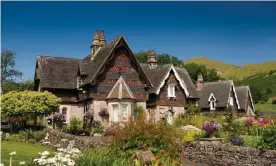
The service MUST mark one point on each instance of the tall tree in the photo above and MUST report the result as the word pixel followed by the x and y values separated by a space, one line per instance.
pixel 209 75
pixel 9 86
pixel 8 73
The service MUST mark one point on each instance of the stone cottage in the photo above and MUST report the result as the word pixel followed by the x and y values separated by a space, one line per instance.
pixel 111 79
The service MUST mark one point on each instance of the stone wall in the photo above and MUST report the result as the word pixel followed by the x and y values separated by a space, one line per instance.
pixel 218 154
pixel 58 139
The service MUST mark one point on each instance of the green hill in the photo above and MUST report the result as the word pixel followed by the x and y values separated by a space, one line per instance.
pixel 230 71
pixel 221 67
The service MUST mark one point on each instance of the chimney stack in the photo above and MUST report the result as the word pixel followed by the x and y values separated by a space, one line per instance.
pixel 199 82
pixel 95 44
pixel 152 62
pixel 102 38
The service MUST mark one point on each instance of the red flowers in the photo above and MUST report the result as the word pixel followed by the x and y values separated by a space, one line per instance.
pixel 261 122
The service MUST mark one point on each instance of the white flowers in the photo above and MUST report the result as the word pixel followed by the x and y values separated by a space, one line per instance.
pixel 13 153
pixel 64 157
pixel 190 127
pixel 22 162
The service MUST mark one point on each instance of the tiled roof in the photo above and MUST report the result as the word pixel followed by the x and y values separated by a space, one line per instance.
pixel 58 72
pixel 157 75
pixel 242 94
pixel 221 91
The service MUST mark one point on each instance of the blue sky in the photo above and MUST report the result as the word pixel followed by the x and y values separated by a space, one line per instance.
pixel 233 32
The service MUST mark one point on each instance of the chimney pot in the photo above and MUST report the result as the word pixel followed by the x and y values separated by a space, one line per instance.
pixel 96 33
pixel 102 33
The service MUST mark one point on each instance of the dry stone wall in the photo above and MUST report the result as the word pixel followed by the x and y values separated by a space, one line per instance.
pixel 219 154
pixel 58 139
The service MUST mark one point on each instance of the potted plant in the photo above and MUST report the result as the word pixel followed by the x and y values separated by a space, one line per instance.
pixel 97 128
pixel 104 112
pixel 211 127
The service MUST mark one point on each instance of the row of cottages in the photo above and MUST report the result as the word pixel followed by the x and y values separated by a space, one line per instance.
pixel 111 78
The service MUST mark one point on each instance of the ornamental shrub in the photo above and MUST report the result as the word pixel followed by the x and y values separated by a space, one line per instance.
pixel 268 140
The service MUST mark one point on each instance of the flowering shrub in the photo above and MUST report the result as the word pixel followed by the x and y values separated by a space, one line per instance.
pixel 104 112
pixel 211 127
pixel 95 123
pixel 58 116
pixel 237 140
pixel 64 157
pixel 261 123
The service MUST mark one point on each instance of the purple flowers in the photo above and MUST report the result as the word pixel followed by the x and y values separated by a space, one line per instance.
pixel 237 140
pixel 95 124
pixel 211 127
pixel 58 116
pixel 104 112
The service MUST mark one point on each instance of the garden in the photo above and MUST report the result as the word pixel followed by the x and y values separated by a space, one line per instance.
pixel 135 142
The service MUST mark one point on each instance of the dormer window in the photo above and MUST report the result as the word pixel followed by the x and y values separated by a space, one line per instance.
pixel 171 90
pixel 79 83
pixel 212 102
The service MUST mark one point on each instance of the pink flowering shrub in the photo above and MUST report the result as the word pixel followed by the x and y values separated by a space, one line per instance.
pixel 260 123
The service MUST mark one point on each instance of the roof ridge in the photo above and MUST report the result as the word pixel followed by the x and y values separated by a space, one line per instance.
pixel 46 56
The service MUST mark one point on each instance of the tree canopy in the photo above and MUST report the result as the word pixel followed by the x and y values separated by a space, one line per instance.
pixel 9 86
pixel 209 75
pixel 28 103
pixel 8 73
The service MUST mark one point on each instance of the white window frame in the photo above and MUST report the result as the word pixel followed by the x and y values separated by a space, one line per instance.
pixel 118 107
pixel 171 89
pixel 125 114
pixel 79 83
pixel 168 117
pixel 212 101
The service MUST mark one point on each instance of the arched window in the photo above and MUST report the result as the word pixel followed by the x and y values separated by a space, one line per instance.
pixel 64 113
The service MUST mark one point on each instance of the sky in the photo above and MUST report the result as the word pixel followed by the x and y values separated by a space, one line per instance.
pixel 233 32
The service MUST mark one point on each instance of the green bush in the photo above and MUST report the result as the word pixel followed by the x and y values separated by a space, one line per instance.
pixel 252 141
pixel 103 156
pixel 75 124
pixel 98 129
pixel 143 134
pixel 268 140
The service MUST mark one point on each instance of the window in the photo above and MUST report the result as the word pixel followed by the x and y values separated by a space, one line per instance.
pixel 161 113
pixel 212 102
pixel 170 117
pixel 79 83
pixel 125 111
pixel 64 113
pixel 171 90
pixel 115 108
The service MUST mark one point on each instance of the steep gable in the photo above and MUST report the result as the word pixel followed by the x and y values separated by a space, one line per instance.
pixel 103 59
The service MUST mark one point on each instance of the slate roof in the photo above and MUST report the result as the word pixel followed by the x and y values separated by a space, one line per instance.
pixel 242 94
pixel 157 75
pixel 221 91
pixel 58 72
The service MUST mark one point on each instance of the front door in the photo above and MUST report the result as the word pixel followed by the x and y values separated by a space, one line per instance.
pixel 115 112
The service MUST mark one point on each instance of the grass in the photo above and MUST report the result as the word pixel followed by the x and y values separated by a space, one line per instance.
pixel 239 72
pixel 24 152
pixel 265 107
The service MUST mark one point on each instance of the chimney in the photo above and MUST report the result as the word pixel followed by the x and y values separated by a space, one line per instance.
pixel 102 38
pixel 96 44
pixel 152 62
pixel 199 82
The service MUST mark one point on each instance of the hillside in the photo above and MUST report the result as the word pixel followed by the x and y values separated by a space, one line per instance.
pixel 221 67
pixel 232 71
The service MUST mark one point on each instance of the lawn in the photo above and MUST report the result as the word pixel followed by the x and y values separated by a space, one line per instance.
pixel 266 107
pixel 24 152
